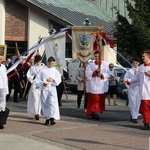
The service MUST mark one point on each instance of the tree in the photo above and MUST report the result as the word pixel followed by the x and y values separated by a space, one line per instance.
pixel 133 34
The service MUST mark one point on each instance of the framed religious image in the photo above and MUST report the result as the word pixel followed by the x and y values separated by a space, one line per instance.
pixel 3 50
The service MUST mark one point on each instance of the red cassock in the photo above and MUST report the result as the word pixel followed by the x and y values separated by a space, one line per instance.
pixel 145 110
pixel 144 89
pixel 96 87
pixel 96 103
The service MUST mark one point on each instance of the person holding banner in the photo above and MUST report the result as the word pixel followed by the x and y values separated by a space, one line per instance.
pixel 34 100
pixel 97 86
pixel 81 90
pixel 3 92
pixel 47 80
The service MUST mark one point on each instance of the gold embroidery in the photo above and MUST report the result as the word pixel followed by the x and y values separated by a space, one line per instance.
pixel 135 71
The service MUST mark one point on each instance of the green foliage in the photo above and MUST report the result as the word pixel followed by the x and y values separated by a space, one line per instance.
pixel 133 34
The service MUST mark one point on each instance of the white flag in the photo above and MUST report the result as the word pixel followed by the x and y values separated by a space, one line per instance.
pixel 56 48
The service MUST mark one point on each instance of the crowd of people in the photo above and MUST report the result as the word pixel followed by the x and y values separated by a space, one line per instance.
pixel 97 81
pixel 102 83
pixel 42 94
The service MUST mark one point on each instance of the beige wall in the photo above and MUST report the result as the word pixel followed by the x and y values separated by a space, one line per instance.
pixel 38 26
pixel 2 22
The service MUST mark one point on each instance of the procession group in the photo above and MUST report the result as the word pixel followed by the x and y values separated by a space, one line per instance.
pixel 101 83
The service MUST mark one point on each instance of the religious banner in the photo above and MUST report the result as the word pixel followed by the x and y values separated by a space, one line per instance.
pixel 82 42
pixel 26 56
pixel 3 51
pixel 56 47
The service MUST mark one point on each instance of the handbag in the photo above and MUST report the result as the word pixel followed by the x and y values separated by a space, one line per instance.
pixel 4 116
pixel 112 81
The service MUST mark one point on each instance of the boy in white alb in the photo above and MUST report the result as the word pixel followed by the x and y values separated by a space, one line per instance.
pixel 47 80
pixel 133 91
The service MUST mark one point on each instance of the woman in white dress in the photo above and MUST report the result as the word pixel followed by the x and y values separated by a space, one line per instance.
pixel 34 100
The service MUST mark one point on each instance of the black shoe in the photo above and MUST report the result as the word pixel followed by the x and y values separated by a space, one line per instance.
pixel 134 121
pixel 46 122
pixel 130 118
pixel 146 126
pixel 60 104
pixel 52 121
pixel 16 101
pixel 7 99
pixel 37 117
pixel 20 96
pixel 95 116
pixel 1 127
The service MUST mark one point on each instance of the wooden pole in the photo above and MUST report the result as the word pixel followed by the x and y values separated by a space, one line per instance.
pixel 40 39
pixel 25 89
pixel 99 44
pixel 64 87
pixel 84 82
pixel 17 50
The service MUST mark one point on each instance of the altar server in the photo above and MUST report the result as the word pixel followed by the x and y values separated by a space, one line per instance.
pixel 47 81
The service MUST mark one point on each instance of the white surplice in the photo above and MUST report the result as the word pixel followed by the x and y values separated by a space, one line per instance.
pixel 34 97
pixel 3 87
pixel 133 94
pixel 144 82
pixel 49 98
pixel 97 85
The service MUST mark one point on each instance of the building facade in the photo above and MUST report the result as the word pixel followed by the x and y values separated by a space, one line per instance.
pixel 108 6
pixel 24 21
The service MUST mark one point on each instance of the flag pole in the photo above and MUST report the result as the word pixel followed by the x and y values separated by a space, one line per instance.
pixel 65 87
pixel 17 50
pixel 84 83
pixel 99 44
pixel 26 85
pixel 22 82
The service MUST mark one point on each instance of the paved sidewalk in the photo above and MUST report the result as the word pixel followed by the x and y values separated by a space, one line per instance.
pixel 75 131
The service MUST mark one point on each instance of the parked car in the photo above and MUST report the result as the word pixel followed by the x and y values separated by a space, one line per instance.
pixel 73 66
pixel 122 89
pixel 71 82
pixel 120 71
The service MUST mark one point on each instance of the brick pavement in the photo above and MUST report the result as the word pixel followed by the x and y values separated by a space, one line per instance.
pixel 75 131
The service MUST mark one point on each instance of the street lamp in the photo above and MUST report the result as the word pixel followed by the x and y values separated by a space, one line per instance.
pixel 87 22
